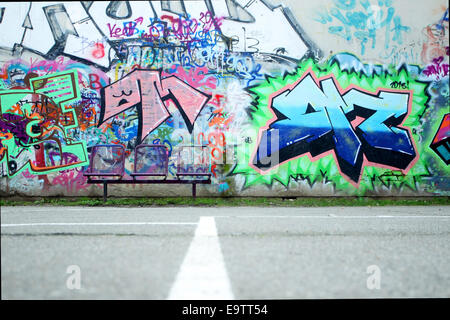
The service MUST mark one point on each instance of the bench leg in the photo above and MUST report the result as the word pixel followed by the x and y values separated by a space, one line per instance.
pixel 194 190
pixel 105 191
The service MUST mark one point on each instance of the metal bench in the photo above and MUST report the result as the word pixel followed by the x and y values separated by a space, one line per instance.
pixel 107 166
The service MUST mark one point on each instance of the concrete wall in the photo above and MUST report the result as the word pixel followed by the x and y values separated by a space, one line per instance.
pixel 292 98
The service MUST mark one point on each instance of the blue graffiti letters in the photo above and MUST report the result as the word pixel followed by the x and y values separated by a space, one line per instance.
pixel 316 117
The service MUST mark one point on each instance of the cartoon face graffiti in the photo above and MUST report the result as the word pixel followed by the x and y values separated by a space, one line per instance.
pixel 148 92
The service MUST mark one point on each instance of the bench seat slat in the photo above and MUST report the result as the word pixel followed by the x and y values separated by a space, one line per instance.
pixel 95 174
pixel 148 174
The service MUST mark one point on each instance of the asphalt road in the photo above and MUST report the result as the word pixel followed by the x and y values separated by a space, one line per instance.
pixel 224 253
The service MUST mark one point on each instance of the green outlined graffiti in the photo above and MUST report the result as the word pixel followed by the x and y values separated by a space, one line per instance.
pixel 392 115
pixel 41 117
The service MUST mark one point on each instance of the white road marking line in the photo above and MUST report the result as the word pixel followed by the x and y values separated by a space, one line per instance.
pixel 202 275
pixel 94 224
pixel 95 209
pixel 333 216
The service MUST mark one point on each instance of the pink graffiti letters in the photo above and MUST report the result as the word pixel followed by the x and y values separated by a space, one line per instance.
pixel 145 90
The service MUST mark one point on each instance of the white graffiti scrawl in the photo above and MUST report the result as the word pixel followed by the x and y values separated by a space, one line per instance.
pixel 94 30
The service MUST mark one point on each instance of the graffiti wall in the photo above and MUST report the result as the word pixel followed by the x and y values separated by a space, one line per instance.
pixel 285 98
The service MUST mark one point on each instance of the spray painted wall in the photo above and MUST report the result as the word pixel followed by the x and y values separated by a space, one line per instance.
pixel 331 97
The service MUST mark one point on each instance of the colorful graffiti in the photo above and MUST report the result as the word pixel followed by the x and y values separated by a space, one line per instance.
pixel 327 122
pixel 334 97
pixel 91 30
pixel 441 142
pixel 41 118
pixel 146 88
pixel 314 115
pixel 437 69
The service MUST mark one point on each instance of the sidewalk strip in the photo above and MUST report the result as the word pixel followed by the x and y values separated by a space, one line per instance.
pixel 94 224
pixel 202 275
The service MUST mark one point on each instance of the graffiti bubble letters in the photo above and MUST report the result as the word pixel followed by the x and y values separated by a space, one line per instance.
pixel 316 116
pixel 145 90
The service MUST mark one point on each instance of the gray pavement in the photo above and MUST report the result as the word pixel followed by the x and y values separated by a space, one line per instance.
pixel 268 253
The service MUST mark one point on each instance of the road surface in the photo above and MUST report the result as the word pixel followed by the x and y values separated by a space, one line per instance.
pixel 224 253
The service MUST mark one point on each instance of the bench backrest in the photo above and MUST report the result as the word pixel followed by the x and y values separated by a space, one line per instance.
pixel 151 160
pixel 193 160
pixel 107 160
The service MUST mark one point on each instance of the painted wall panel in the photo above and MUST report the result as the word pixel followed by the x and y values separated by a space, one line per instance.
pixel 288 98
